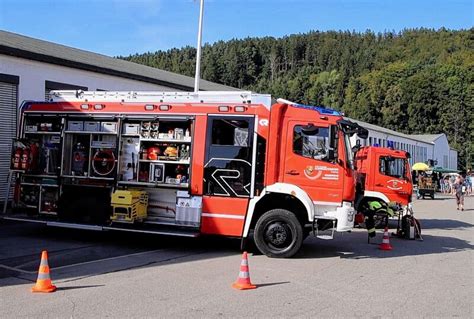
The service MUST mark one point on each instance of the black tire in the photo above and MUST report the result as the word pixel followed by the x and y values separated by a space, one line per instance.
pixel 278 233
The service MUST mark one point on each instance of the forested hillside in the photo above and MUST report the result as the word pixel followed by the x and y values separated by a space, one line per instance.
pixel 415 81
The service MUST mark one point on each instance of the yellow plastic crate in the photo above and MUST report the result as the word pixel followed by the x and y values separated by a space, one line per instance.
pixel 126 197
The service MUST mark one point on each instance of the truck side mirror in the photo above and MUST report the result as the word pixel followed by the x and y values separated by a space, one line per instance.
pixel 362 133
pixel 356 147
pixel 333 139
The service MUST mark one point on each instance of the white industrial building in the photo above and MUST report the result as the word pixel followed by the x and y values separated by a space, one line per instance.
pixel 422 148
pixel 30 68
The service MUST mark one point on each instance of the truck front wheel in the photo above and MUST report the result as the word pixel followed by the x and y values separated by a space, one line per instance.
pixel 278 233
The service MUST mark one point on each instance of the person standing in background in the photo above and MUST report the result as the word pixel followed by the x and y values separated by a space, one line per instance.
pixel 459 191
pixel 446 185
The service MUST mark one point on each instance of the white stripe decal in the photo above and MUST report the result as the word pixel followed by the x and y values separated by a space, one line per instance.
pixel 222 216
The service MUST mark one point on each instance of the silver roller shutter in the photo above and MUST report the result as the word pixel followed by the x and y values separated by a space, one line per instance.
pixel 8 122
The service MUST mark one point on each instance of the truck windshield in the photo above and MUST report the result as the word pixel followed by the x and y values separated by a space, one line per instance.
pixel 394 167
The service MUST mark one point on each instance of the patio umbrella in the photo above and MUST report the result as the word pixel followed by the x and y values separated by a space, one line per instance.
pixel 444 170
pixel 420 167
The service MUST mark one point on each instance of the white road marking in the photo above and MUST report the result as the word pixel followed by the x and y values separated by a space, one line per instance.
pixel 17 269
pixel 106 259
pixel 82 263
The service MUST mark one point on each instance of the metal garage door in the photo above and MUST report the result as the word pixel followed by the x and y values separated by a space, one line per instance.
pixel 8 120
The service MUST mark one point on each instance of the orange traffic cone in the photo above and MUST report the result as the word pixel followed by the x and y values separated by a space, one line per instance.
pixel 385 245
pixel 43 283
pixel 243 282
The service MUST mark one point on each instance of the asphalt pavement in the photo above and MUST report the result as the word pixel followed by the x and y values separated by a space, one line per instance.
pixel 137 275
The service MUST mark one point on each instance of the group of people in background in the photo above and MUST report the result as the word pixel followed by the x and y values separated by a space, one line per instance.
pixel 452 184
pixel 447 183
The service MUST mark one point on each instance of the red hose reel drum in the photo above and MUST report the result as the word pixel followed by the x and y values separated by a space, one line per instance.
pixel 103 162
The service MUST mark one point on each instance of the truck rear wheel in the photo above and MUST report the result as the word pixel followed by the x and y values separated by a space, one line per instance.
pixel 278 233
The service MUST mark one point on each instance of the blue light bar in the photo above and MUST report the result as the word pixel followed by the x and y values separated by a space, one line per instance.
pixel 320 109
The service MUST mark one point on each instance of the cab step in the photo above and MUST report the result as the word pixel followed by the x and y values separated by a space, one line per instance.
pixel 325 237
pixel 326 219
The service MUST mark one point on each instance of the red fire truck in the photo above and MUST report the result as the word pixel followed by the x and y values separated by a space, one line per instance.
pixel 180 163
pixel 383 182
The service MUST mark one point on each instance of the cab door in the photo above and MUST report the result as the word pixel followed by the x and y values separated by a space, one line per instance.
pixel 309 162
pixel 392 178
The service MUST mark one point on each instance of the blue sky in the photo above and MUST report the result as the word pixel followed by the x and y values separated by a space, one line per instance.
pixel 122 27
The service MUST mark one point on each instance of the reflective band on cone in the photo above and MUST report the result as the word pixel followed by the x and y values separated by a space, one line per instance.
pixel 243 282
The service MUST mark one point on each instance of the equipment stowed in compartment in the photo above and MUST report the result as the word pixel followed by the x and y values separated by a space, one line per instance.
pixel 103 163
pixel 79 159
pixel 25 155
pixel 129 159
pixel 129 206
pixel 49 158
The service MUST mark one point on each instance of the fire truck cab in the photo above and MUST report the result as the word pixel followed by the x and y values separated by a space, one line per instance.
pixel 180 163
pixel 383 175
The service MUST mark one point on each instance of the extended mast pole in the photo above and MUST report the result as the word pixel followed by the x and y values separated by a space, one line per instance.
pixel 198 53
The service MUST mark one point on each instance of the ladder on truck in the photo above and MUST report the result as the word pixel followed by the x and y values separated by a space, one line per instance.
pixel 217 97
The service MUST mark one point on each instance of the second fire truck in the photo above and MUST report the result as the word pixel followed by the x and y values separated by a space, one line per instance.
pixel 383 184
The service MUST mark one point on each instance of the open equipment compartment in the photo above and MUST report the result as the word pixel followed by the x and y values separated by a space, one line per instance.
pixel 155 157
pixel 90 148
pixel 89 168
pixel 35 164
pixel 69 166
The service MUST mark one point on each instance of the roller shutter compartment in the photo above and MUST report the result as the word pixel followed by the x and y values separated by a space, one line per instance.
pixel 8 123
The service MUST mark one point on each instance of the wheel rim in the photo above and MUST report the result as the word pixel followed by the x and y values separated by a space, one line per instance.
pixel 278 236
